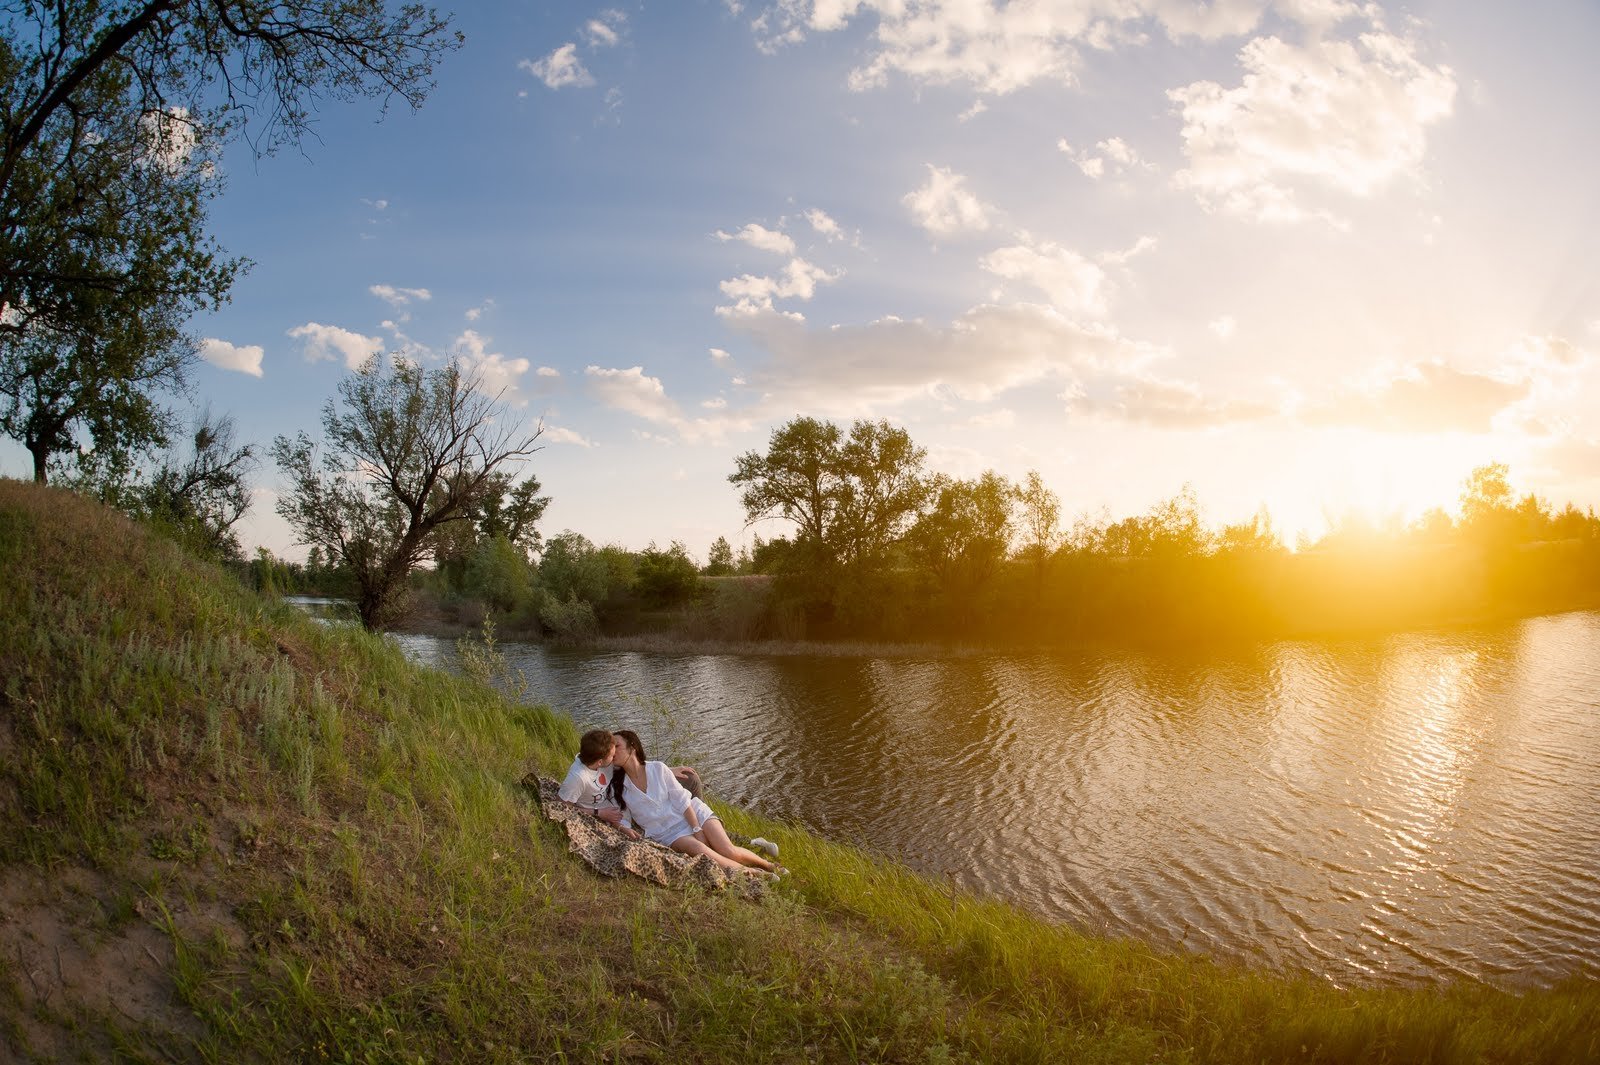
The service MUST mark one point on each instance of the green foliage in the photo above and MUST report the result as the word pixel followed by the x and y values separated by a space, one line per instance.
pixel 571 619
pixel 963 537
pixel 112 118
pixel 498 573
pixel 719 560
pixel 849 497
pixel 666 578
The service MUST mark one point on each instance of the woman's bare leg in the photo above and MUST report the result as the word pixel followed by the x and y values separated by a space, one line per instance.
pixel 694 847
pixel 717 837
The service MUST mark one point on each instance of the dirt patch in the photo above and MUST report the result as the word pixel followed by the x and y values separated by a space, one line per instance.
pixel 92 964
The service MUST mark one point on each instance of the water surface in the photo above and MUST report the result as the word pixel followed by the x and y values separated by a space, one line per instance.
pixel 1406 809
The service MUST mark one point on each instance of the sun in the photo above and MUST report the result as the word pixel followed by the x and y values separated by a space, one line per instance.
pixel 1377 478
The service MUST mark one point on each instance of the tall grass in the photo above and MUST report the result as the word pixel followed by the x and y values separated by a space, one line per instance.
pixel 336 847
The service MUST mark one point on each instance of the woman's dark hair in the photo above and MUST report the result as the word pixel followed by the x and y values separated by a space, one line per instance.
pixel 631 738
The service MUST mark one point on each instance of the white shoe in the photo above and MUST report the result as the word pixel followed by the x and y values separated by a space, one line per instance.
pixel 765 844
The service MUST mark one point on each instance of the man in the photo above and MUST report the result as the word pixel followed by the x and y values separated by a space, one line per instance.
pixel 586 785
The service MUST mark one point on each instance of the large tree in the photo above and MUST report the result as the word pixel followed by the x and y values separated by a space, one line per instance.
pixel 96 362
pixel 85 82
pixel 408 451
pixel 850 498
pixel 112 114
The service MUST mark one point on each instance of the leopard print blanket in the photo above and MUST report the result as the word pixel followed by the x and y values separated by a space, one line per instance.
pixel 608 852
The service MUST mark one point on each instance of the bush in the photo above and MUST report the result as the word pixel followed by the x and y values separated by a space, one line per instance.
pixel 570 619
pixel 667 578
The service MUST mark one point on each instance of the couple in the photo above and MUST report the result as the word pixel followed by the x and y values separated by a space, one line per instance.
pixel 612 779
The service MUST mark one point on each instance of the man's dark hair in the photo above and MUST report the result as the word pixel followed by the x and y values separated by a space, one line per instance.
pixel 595 745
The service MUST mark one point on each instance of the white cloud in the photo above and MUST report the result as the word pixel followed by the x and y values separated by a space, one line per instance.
pixel 244 358
pixel 1351 116
pixel 500 375
pixel 1165 404
pixel 605 31
pixel 1545 353
pixel 944 206
pixel 329 342
pixel 1073 284
pixel 547 371
pixel 999 46
pixel 851 370
pixel 752 293
pixel 635 392
pixel 474 313
pixel 1224 327
pixel 824 224
pixel 399 297
pixel 761 238
pixel 560 68
pixel 1111 157
pixel 1000 418
pixel 172 138
pixel 1426 397
pixel 714 403
pixel 556 435
pixel 1138 247
pixel 718 355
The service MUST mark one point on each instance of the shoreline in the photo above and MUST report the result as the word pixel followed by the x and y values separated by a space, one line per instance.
pixel 432 623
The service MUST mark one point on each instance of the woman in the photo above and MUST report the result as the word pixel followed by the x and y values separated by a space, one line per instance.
pixel 666 813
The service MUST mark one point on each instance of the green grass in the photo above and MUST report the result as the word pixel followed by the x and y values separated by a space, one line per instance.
pixel 334 846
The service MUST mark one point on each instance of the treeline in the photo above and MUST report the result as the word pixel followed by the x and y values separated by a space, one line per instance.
pixel 876 547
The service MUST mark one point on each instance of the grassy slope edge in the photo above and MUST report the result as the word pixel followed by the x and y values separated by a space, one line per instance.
pixel 228 833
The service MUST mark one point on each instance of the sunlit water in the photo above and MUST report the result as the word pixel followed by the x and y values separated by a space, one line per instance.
pixel 1408 809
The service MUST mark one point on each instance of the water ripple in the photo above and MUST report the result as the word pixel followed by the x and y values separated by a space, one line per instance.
pixel 1410 808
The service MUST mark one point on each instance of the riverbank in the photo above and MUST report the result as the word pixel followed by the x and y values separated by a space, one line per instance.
pixel 230 833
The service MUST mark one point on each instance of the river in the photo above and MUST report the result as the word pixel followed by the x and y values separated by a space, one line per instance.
pixel 1406 809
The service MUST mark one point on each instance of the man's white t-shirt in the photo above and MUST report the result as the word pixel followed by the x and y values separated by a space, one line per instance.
pixel 589 789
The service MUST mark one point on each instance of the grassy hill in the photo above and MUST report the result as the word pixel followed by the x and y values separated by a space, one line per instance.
pixel 230 834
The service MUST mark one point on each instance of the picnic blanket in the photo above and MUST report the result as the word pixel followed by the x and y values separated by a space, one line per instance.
pixel 608 852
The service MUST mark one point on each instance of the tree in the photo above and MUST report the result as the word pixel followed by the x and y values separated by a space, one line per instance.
pixel 96 360
pixel 498 573
pixel 507 510
pixel 963 537
pixel 409 451
pixel 667 578
pixel 1487 510
pixel 719 560
pixel 1255 536
pixel 849 497
pixel 111 115
pixel 205 494
pixel 1040 518
pixel 1172 529
pixel 85 82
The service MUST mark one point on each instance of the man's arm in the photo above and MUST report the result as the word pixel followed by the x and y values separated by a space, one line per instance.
pixel 689 777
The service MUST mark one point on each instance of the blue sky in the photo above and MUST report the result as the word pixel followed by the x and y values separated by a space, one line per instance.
pixel 1307 254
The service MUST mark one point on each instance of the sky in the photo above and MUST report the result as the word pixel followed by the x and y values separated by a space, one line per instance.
pixel 1309 255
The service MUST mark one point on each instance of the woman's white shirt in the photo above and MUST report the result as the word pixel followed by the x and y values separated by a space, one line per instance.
pixel 658 810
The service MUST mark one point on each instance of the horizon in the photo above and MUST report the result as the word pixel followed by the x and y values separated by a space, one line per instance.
pixel 1306 255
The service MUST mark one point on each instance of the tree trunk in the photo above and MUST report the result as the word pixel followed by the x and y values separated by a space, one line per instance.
pixel 40 457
